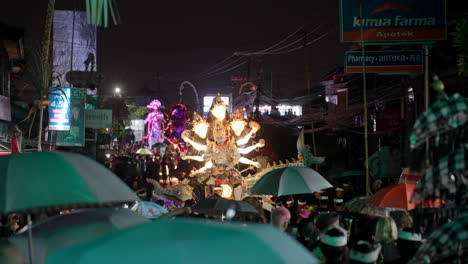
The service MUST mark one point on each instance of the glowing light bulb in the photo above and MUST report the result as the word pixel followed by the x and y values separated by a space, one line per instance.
pixel 201 129
pixel 219 111
pixel 238 126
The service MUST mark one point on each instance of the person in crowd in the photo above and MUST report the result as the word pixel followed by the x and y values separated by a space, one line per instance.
pixel 408 243
pixel 339 193
pixel 308 234
pixel 327 220
pixel 280 218
pixel 364 253
pixel 323 204
pixel 386 233
pixel 333 246
pixel 338 204
pixel 402 219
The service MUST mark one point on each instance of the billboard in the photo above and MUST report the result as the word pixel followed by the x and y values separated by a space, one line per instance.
pixel 98 118
pixel 76 134
pixel 59 109
pixel 70 25
pixel 385 61
pixel 208 101
pixel 393 20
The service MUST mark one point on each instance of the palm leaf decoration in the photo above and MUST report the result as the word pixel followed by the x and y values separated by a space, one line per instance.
pixel 460 42
pixel 97 12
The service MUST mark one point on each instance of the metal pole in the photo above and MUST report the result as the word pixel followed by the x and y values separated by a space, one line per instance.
pixel 30 242
pixel 364 90
pixel 426 77
pixel 309 88
pixel 426 90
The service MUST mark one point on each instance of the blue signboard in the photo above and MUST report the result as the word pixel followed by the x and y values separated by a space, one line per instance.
pixel 387 61
pixel 393 20
pixel 59 109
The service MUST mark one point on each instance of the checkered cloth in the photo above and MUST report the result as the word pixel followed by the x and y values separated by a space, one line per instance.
pixel 445 114
pixel 446 178
pixel 444 242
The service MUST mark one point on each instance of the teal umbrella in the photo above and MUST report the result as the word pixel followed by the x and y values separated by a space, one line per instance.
pixel 50 181
pixel 57 180
pixel 188 241
pixel 290 180
pixel 67 230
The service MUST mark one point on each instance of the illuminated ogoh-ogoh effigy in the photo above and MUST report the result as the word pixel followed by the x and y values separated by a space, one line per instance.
pixel 222 140
pixel 156 122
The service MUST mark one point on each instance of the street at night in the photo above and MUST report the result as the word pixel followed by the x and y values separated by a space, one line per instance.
pixel 329 132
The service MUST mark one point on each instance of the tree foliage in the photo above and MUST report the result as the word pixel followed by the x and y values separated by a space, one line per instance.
pixel 137 111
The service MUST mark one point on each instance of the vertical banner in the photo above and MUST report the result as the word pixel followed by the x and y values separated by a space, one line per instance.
pixel 76 135
pixel 59 109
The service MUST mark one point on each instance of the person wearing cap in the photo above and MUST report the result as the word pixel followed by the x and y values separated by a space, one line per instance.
pixel 333 246
pixel 408 243
pixel 338 204
pixel 339 193
pixel 323 204
pixel 364 253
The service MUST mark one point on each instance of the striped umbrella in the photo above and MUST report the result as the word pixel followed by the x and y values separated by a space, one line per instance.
pixel 32 182
pixel 445 115
pixel 444 243
pixel 144 151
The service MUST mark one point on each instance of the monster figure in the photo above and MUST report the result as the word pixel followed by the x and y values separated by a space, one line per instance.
pixel 179 193
pixel 177 120
pixel 223 150
pixel 156 122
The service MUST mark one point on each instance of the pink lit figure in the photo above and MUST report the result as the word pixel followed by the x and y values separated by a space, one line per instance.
pixel 156 123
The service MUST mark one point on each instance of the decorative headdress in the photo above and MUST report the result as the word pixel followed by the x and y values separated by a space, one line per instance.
pixel 155 104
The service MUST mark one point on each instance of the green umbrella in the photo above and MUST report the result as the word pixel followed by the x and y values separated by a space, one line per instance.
pixel 144 151
pixel 290 180
pixel 159 145
pixel 41 181
pixel 446 114
pixel 188 241
pixel 445 242
pixel 57 180
pixel 67 230
pixel 220 206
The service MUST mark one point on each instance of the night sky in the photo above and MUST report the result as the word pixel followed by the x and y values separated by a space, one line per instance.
pixel 181 39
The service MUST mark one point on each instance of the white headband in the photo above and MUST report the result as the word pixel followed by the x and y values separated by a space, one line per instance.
pixel 409 236
pixel 301 202
pixel 289 202
pixel 338 200
pixel 332 241
pixel 369 257
pixel 323 197
pixel 141 193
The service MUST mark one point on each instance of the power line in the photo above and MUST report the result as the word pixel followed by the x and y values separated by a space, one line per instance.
pixel 279 43
pixel 290 44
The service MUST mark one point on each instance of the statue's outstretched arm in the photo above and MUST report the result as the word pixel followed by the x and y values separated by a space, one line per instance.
pixel 250 162
pixel 247 150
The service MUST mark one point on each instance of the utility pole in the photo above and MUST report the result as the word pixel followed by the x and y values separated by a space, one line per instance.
pixel 308 85
pixel 364 91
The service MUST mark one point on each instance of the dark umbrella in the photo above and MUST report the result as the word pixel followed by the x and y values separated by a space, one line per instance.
pixel 220 206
